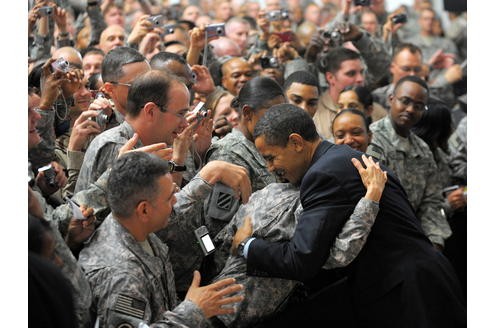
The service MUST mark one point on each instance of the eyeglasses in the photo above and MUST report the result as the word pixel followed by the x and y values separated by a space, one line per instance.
pixel 124 84
pixel 417 105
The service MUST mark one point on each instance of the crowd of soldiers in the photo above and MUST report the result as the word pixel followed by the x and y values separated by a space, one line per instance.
pixel 226 163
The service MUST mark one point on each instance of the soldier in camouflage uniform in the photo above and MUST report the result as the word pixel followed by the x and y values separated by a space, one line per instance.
pixel 274 211
pixel 410 158
pixel 128 267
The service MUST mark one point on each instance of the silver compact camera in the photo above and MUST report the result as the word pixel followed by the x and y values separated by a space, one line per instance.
pixel 45 11
pixel 61 65
pixel 277 15
pixel 215 30
pixel 168 29
pixel 101 119
pixel 156 20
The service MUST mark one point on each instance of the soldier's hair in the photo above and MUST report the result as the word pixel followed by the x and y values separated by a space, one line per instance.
pixel 363 93
pixel 302 77
pixel 38 231
pixel 111 68
pixel 92 51
pixel 280 121
pixel 134 178
pixel 435 126
pixel 355 112
pixel 256 93
pixel 159 60
pixel 414 49
pixel 334 58
pixel 152 86
pixel 414 79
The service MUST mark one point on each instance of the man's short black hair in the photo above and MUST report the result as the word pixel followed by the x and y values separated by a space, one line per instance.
pixel 414 79
pixel 160 59
pixel 280 121
pixel 334 58
pixel 134 178
pixel 111 68
pixel 92 50
pixel 302 77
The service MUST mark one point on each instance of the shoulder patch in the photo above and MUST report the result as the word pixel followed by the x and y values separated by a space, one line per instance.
pixel 130 306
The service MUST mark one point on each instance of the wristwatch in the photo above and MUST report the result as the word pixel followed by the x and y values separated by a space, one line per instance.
pixel 172 167
pixel 240 248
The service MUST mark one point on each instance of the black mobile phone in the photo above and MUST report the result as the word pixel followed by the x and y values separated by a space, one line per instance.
pixel 204 240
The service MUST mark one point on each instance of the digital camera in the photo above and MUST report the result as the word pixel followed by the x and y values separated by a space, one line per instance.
pixel 156 20
pixel 168 29
pixel 269 62
pixel 364 3
pixel 399 18
pixel 45 11
pixel 61 65
pixel 200 111
pixel 277 15
pixel 215 30
pixel 101 119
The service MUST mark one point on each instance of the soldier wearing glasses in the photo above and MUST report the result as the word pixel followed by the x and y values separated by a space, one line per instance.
pixel 395 146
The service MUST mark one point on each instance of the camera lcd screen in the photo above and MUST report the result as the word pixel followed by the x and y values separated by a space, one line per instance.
pixel 208 243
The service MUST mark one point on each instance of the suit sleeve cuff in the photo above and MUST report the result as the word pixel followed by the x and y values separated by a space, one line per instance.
pixel 246 248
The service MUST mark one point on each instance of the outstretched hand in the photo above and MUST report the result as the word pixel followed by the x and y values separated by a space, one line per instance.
pixel 245 231
pixel 373 177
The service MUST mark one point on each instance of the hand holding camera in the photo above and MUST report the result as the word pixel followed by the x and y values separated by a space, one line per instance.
pixel 85 126
pixel 395 21
pixel 81 226
pixel 50 178
pixel 51 82
pixel 143 26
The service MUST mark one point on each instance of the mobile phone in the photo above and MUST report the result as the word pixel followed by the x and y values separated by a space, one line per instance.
pixel 215 30
pixel 49 174
pixel 76 211
pixel 204 240
pixel 446 191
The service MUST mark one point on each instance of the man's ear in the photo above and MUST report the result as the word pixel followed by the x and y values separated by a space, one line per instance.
pixel 329 77
pixel 108 88
pixel 149 110
pixel 390 98
pixel 296 142
pixel 247 112
pixel 143 210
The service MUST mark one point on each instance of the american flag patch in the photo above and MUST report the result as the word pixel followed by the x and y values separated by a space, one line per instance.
pixel 130 306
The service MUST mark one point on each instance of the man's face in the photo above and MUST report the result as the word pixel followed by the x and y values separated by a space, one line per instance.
pixel 92 64
pixel 119 91
pixel 171 122
pixel 253 8
pixel 238 32
pixel 350 73
pixel 285 162
pixel 191 13
pixel 83 97
pixel 407 105
pixel 112 37
pixel 406 63
pixel 114 16
pixel 235 73
pixel 33 118
pixel 272 5
pixel 312 14
pixel 224 11
pixel 426 21
pixel 304 96
pixel 224 109
pixel 369 22
pixel 163 203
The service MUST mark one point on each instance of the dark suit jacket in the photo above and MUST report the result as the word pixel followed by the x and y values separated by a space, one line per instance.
pixel 396 247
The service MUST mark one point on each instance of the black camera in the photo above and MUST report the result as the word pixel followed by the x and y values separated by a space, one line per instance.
pixel 277 15
pixel 156 20
pixel 364 3
pixel 399 18
pixel 215 30
pixel 269 62
pixel 101 119
pixel 334 37
pixel 61 65
pixel 45 11
pixel 49 174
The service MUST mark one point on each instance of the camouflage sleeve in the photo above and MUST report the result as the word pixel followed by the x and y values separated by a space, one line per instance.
pixel 74 163
pixel 40 48
pixel 353 236
pixel 377 152
pixel 376 56
pixel 123 302
pixel 429 211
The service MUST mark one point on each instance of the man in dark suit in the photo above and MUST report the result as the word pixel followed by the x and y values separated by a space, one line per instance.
pixel 398 280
